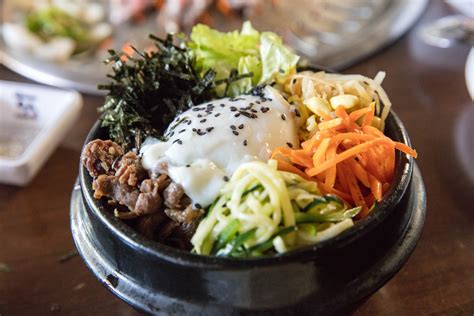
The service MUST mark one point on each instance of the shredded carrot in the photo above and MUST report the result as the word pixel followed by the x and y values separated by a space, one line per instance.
pixel 352 160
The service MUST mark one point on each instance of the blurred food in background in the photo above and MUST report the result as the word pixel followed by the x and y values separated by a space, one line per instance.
pixel 58 29
pixel 73 36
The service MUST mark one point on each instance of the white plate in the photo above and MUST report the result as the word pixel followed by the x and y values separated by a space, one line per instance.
pixel 33 121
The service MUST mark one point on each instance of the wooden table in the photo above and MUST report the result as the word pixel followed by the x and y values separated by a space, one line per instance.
pixel 428 90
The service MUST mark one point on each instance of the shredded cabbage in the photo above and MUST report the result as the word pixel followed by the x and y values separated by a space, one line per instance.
pixel 262 210
pixel 248 51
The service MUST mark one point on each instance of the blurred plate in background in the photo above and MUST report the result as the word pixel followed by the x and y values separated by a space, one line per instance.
pixel 332 34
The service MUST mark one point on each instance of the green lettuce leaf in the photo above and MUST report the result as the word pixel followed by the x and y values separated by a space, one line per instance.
pixel 247 51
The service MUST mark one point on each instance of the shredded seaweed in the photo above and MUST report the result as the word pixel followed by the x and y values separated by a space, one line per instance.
pixel 150 88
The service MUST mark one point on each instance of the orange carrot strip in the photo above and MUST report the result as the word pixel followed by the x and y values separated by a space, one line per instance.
pixel 281 151
pixel 359 172
pixel 354 188
pixel 373 131
pixel 346 159
pixel 284 166
pixel 331 172
pixel 342 180
pixel 375 187
pixel 368 118
pixel 320 153
pixel 407 150
pixel 341 112
pixel 345 155
pixel 330 124
pixel 301 158
pixel 354 116
pixel 325 116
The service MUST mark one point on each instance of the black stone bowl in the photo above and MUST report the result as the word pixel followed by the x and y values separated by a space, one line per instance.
pixel 326 278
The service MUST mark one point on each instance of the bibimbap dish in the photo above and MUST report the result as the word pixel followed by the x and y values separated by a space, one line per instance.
pixel 218 145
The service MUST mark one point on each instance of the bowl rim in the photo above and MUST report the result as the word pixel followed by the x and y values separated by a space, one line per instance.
pixel 402 177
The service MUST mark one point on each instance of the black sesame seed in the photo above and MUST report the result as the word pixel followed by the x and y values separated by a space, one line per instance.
pixel 264 109
pixel 179 142
pixel 217 114
pixel 202 121
pixel 196 109
pixel 235 133
pixel 237 115
pixel 241 126
pixel 182 131
pixel 232 127
pixel 297 113
pixel 222 105
pixel 187 166
pixel 293 81
pixel 197 205
pixel 269 99
pixel 176 141
pixel 290 145
pixel 209 129
pixel 245 142
pixel 233 108
pixel 258 102
pixel 199 115
pixel 283 117
pixel 189 122
pixel 253 110
pixel 254 116
pixel 226 178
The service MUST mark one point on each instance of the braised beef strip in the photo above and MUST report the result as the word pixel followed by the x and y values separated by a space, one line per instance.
pixel 158 207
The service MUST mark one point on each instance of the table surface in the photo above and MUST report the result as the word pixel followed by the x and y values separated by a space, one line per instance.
pixel 428 90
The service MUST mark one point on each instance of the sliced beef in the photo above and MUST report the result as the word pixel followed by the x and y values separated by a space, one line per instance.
pixel 149 200
pixel 130 170
pixel 158 207
pixel 161 168
pixel 173 195
pixel 99 157
pixel 188 219
pixel 163 182
pixel 110 186
pixel 166 229
pixel 188 215
pixel 149 225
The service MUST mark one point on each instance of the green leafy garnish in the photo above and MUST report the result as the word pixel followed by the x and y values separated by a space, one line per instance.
pixel 248 51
